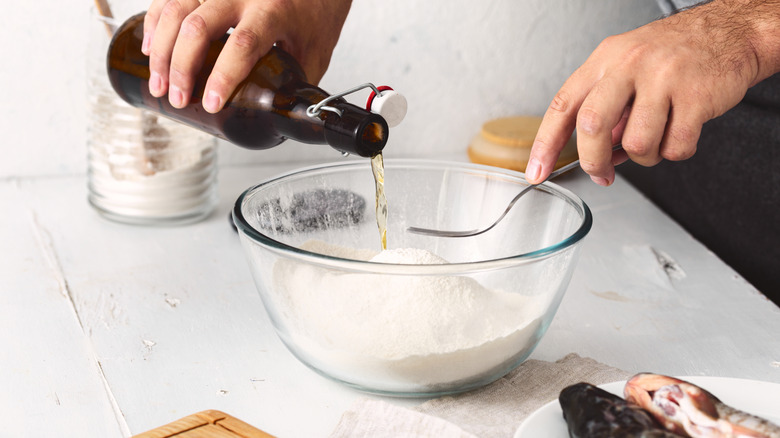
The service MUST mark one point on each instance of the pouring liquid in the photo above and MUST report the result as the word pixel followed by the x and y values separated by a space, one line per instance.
pixel 378 169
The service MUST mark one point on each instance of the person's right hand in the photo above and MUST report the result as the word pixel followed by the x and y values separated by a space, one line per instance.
pixel 177 34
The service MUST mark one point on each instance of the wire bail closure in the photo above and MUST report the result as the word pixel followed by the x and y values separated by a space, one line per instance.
pixel 316 110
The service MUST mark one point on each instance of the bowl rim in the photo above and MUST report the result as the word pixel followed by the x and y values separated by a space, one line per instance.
pixel 246 230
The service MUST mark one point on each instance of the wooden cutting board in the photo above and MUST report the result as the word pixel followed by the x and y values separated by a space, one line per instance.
pixel 206 424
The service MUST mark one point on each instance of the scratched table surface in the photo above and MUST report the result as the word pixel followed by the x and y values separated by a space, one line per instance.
pixel 109 330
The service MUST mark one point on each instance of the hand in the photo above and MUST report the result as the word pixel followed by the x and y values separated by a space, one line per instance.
pixel 654 87
pixel 177 34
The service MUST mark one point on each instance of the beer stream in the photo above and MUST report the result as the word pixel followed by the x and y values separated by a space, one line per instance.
pixel 378 169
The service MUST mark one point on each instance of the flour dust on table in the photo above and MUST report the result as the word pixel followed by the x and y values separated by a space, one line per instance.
pixel 403 333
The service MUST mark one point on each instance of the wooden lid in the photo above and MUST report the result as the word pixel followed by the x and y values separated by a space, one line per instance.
pixel 518 131
pixel 507 142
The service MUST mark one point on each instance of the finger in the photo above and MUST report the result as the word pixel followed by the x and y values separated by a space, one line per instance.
pixel 313 60
pixel 150 24
pixel 243 49
pixel 645 128
pixel 599 114
pixel 617 131
pixel 620 156
pixel 205 24
pixel 557 126
pixel 165 34
pixel 682 132
pixel 314 53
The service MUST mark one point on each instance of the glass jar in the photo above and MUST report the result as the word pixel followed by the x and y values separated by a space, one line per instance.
pixel 142 168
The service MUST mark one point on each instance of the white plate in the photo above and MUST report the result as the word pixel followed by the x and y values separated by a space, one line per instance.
pixel 757 398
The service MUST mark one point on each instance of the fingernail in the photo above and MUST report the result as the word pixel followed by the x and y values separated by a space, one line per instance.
pixel 532 170
pixel 147 42
pixel 212 101
pixel 175 96
pixel 600 181
pixel 155 84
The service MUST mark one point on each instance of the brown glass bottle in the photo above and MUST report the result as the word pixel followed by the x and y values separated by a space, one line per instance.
pixel 266 109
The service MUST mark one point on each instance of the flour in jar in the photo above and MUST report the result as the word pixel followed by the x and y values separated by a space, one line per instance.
pixel 409 331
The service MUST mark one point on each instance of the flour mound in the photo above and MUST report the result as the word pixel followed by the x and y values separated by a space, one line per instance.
pixel 404 325
pixel 408 256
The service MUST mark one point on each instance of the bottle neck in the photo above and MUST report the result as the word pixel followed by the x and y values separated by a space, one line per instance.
pixel 355 131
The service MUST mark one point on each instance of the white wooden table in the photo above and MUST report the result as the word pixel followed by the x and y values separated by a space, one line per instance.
pixel 109 330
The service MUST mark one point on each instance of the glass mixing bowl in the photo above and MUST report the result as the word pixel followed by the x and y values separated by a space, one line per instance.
pixel 430 315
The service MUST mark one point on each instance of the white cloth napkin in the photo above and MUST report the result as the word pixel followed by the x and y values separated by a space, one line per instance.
pixel 494 411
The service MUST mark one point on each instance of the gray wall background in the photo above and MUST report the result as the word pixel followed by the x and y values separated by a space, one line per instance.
pixel 459 63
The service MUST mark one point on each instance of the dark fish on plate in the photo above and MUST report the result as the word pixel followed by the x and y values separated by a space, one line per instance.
pixel 591 412
pixel 692 411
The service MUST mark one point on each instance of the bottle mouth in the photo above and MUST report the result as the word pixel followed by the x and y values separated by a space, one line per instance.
pixel 374 137
pixel 357 131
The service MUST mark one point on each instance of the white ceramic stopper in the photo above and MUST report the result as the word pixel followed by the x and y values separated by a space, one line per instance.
pixel 391 105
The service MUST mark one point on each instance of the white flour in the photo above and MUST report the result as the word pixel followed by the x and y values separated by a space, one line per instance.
pixel 142 166
pixel 423 332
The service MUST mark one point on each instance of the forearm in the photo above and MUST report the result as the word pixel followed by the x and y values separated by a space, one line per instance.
pixel 744 34
pixel 764 18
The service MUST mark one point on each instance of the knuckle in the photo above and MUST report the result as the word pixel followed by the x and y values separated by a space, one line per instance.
pixel 677 154
pixel 542 143
pixel 637 54
pixel 680 141
pixel 590 121
pixel 590 167
pixel 246 40
pixel 177 75
pixel 676 151
pixel 638 146
pixel 560 102
pixel 194 26
pixel 545 149
pixel 220 80
pixel 173 9
pixel 672 66
pixel 606 44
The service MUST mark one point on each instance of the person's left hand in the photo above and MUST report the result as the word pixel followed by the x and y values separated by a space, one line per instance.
pixel 651 89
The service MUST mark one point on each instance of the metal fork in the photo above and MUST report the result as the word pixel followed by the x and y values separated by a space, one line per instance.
pixel 469 233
